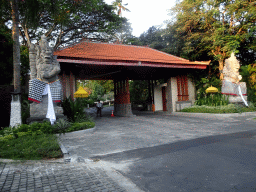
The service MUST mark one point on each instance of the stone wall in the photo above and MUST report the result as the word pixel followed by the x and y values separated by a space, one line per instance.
pixel 183 104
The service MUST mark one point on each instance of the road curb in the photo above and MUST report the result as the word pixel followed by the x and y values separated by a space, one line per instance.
pixel 67 157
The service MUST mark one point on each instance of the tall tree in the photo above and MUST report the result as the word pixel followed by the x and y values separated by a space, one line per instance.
pixel 65 21
pixel 124 32
pixel 119 7
pixel 16 46
pixel 217 27
pixel 154 37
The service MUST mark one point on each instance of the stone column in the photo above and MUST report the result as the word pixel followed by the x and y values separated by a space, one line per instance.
pixel 169 96
pixel 122 105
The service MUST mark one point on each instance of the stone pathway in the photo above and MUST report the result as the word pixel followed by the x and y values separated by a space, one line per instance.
pixel 55 176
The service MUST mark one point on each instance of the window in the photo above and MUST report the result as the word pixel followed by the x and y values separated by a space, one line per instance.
pixel 182 86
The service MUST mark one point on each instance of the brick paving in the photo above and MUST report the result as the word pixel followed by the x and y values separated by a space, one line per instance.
pixel 55 176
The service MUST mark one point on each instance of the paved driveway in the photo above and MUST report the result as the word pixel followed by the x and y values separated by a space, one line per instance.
pixel 171 152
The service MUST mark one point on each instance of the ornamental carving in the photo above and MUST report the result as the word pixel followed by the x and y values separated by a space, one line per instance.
pixel 231 69
pixel 43 64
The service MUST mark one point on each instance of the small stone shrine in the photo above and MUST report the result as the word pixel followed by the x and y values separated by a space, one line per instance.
pixel 44 86
pixel 231 84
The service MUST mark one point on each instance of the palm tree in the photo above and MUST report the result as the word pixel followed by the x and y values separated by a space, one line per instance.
pixel 119 7
pixel 117 4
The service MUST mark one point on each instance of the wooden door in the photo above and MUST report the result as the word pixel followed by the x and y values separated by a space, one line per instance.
pixel 164 98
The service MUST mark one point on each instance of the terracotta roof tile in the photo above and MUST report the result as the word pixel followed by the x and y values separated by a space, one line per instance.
pixel 119 52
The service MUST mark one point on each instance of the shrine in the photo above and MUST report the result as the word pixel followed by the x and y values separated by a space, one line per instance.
pixel 121 63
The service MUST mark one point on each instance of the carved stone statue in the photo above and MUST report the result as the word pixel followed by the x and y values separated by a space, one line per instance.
pixel 44 69
pixel 44 64
pixel 231 84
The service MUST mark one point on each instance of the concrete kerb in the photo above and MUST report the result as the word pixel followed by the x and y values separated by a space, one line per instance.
pixel 66 156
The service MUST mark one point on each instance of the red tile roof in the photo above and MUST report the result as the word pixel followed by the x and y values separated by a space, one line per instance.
pixel 120 52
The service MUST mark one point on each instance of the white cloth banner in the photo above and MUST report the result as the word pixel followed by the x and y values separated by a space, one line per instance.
pixel 240 92
pixel 50 111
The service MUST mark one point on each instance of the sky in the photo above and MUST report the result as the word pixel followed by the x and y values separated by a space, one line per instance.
pixel 145 13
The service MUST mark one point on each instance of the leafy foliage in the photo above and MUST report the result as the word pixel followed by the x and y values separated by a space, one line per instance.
pixel 139 91
pixel 230 108
pixel 248 73
pixel 118 6
pixel 63 21
pixel 215 27
pixel 6 54
pixel 96 89
pixel 80 126
pixel 61 125
pixel 204 83
pixel 24 68
pixel 216 99
pixel 74 110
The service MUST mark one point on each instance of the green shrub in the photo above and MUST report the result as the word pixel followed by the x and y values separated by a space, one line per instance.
pixel 21 134
pixel 72 109
pixel 61 125
pixel 80 126
pixel 216 99
pixel 36 127
pixel 7 131
pixel 23 128
pixel 44 127
pixel 86 101
pixel 230 108
pixel 204 83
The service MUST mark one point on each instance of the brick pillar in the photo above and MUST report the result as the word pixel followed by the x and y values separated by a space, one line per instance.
pixel 122 105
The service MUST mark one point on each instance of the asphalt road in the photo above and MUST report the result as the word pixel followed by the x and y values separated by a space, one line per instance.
pixel 173 152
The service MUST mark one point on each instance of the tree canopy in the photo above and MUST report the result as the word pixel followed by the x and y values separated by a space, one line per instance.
pixel 64 21
pixel 6 49
pixel 207 30
pixel 217 27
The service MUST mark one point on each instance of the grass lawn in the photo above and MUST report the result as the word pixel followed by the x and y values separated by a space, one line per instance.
pixel 36 141
pixel 30 147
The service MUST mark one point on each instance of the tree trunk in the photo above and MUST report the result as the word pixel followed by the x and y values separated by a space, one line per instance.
pixel 16 46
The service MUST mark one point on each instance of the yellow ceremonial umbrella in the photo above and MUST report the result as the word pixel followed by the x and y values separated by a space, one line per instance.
pixel 211 90
pixel 81 93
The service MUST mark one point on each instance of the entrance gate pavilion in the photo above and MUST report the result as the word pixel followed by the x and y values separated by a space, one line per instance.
pixel 121 63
